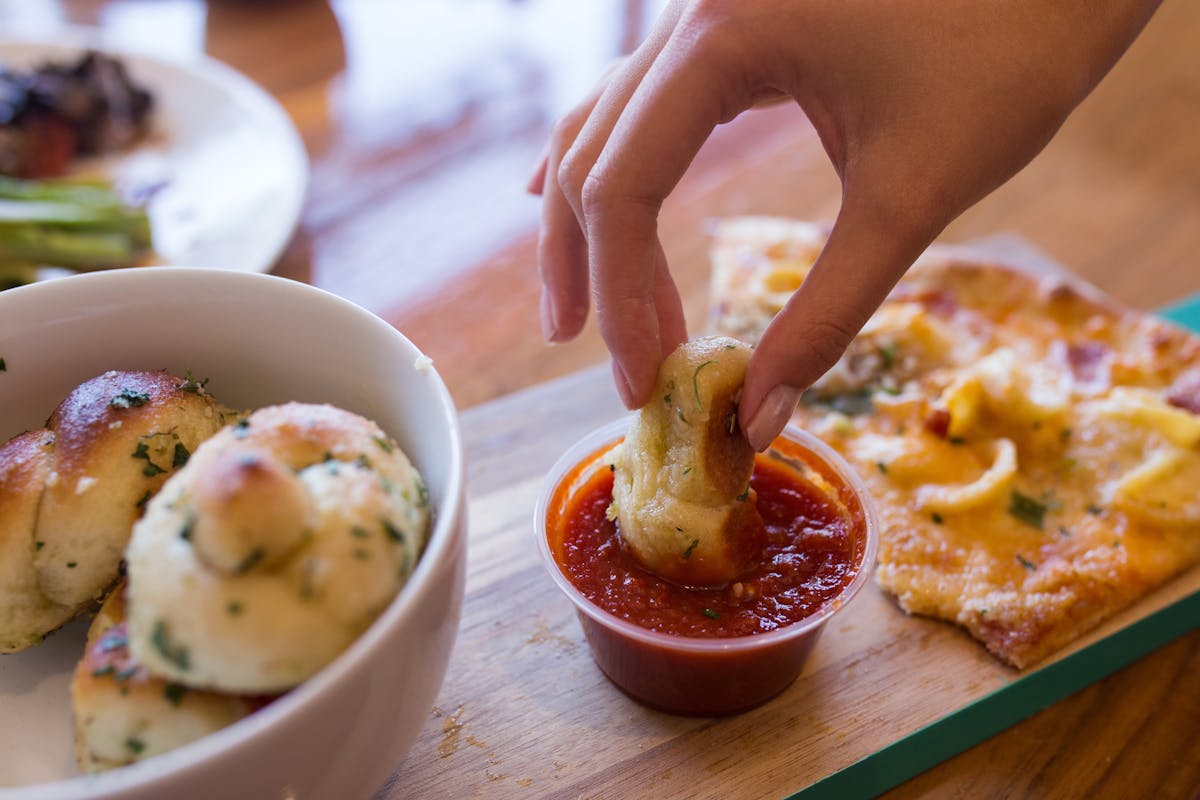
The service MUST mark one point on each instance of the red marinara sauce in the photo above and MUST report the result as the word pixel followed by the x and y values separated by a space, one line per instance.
pixel 813 550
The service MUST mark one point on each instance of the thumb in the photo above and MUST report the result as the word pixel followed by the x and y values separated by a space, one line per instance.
pixel 864 257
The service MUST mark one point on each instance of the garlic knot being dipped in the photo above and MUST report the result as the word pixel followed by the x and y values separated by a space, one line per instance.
pixel 681 483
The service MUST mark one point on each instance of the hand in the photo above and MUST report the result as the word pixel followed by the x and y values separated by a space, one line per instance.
pixel 923 108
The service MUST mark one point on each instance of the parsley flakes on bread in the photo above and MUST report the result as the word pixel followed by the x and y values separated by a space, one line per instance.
pixel 70 492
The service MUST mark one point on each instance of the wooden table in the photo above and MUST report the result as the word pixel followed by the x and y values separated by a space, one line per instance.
pixel 422 121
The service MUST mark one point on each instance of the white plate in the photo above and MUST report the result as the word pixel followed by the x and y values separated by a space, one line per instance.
pixel 232 167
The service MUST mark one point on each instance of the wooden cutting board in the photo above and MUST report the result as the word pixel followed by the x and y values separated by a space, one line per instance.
pixel 524 712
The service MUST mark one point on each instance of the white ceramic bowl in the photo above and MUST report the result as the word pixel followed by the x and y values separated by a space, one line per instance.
pixel 261 340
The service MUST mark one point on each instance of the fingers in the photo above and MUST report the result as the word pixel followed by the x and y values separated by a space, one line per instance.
pixel 865 255
pixel 672 327
pixel 538 178
pixel 562 251
pixel 630 149
pixel 562 247
pixel 671 324
pixel 683 96
pixel 623 81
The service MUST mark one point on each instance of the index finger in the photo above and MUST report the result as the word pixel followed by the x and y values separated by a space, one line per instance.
pixel 684 95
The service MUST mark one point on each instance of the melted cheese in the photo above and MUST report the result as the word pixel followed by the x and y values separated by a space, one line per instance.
pixel 1009 389
pixel 1163 490
pixel 1031 479
pixel 1143 408
pixel 912 330
pixel 988 489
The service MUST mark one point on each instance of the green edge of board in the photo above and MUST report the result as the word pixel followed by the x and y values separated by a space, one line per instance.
pixel 1185 313
pixel 1005 707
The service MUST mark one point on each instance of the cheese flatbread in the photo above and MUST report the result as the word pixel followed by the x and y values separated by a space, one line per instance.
pixel 1033 447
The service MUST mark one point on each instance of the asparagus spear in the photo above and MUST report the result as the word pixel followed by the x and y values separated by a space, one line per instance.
pixel 79 225
pixel 16 275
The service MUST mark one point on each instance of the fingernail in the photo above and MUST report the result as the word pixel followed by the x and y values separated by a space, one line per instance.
pixel 549 329
pixel 772 415
pixel 535 184
pixel 538 178
pixel 623 389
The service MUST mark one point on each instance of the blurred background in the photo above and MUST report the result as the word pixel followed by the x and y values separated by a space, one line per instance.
pixel 424 118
